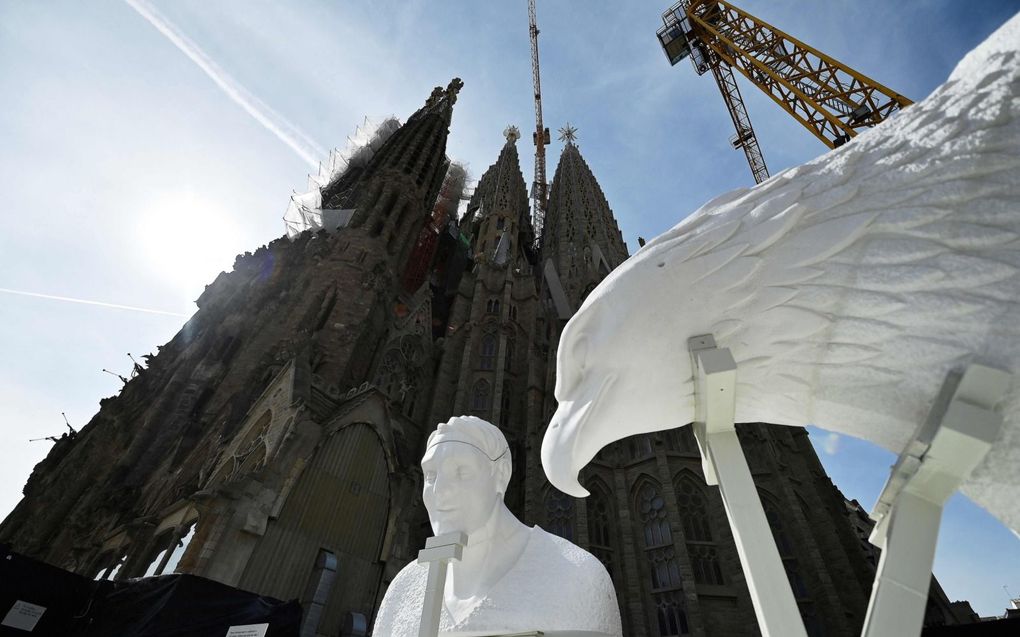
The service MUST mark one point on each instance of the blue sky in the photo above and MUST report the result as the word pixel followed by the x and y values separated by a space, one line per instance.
pixel 131 178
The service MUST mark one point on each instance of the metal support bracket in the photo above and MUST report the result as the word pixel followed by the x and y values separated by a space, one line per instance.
pixel 715 376
pixel 438 552
pixel 960 429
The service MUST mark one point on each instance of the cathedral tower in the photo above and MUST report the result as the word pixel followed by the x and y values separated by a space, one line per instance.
pixel 274 443
pixel 582 239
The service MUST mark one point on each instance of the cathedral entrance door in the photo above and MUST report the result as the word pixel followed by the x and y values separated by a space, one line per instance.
pixel 340 504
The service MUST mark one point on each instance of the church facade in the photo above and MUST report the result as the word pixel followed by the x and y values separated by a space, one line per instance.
pixel 273 444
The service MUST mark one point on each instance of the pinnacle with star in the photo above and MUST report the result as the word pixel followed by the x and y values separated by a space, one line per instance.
pixel 568 134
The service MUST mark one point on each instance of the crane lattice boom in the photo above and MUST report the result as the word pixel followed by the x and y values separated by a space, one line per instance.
pixel 539 190
pixel 830 99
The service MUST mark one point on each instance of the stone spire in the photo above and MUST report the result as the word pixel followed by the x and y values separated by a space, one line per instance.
pixel 394 192
pixel 417 149
pixel 500 202
pixel 581 236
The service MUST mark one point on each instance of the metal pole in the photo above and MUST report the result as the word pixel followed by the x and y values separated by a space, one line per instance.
pixel 724 464
pixel 438 552
pixel 958 433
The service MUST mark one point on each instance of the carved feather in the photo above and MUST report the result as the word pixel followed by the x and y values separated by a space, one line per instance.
pixel 846 289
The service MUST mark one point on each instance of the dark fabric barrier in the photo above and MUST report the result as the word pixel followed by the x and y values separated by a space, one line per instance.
pixel 166 606
pixel 65 596
pixel 1006 627
pixel 186 605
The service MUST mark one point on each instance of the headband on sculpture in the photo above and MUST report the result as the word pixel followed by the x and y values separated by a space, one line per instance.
pixel 453 436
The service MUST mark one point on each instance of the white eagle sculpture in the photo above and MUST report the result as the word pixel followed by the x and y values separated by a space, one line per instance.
pixel 846 289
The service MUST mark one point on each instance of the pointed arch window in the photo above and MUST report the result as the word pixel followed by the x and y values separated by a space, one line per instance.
pixel 481 397
pixel 168 547
pixel 660 558
pixel 508 358
pixel 681 440
pixel 487 357
pixel 559 513
pixel 694 515
pixel 640 446
pixel 601 537
pixel 492 306
pixel 504 407
pixel 784 543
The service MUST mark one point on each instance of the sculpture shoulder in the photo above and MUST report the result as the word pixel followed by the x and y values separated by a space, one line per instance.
pixel 574 582
pixel 400 611
pixel 576 558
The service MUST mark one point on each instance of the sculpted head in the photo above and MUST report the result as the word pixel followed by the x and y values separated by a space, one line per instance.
pixel 619 367
pixel 467 469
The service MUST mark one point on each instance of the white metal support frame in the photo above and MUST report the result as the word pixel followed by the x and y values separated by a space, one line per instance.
pixel 723 460
pixel 438 552
pixel 960 430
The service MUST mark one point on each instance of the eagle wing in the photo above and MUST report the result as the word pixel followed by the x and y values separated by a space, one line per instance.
pixel 849 287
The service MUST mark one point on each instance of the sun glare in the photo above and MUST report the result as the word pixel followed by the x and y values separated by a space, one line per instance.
pixel 186 242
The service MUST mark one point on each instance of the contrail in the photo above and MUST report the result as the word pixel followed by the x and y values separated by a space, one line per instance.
pixel 275 123
pixel 87 302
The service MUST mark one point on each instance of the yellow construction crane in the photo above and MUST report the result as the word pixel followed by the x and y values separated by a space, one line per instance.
pixel 539 189
pixel 829 98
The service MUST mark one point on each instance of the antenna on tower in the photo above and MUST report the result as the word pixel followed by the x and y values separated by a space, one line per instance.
pixel 123 380
pixel 539 190
pixel 66 422
pixel 137 368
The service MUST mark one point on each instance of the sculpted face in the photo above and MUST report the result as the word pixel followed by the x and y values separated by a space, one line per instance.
pixel 461 487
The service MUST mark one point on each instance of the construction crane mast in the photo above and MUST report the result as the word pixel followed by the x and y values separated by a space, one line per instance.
pixel 830 99
pixel 540 188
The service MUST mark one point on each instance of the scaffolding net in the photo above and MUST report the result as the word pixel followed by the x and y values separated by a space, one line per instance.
pixel 305 211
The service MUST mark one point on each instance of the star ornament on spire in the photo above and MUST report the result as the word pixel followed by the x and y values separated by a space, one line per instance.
pixel 512 134
pixel 568 134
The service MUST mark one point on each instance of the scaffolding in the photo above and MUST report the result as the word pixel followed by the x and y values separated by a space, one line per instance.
pixel 305 211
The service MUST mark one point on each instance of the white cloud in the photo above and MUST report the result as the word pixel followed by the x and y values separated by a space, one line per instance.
pixel 831 444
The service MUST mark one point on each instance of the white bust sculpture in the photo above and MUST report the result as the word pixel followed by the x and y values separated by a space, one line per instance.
pixel 511 578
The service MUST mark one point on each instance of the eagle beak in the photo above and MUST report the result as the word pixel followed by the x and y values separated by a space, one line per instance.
pixel 558 448
pixel 567 447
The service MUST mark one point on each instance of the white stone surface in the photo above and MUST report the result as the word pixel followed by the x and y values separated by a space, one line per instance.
pixel 511 578
pixel 845 288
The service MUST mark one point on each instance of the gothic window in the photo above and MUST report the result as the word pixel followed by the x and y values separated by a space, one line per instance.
pixel 504 408
pixel 110 564
pixel 513 312
pixel 387 378
pixel 784 544
pixel 640 446
pixel 500 223
pixel 559 513
pixel 169 547
pixel 600 516
pixel 487 359
pixel 408 406
pixel 179 548
pixel 663 569
pixel 492 306
pixel 670 613
pixel 481 397
pixel 701 547
pixel 509 357
pixel 681 440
